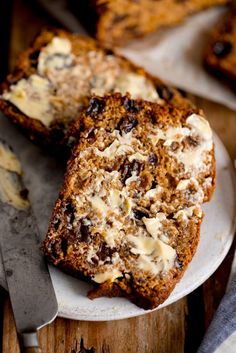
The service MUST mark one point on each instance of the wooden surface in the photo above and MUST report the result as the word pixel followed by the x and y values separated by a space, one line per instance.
pixel 176 329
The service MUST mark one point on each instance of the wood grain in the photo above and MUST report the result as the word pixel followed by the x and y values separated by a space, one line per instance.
pixel 153 332
pixel 178 328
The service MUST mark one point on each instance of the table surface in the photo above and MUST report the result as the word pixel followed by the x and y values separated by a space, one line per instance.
pixel 177 328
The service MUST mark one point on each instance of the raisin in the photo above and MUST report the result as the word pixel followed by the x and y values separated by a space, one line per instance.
pixel 153 159
pixel 222 49
pixel 164 92
pixel 64 246
pixel 127 124
pixel 96 106
pixel 128 168
pixel 34 55
pixel 140 213
pixel 104 252
pixel 130 105
pixel 179 264
pixel 24 193
pixel 69 211
pixel 109 51
pixel 84 231
pixel 56 224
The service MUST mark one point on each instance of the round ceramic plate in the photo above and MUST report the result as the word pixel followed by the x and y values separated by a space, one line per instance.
pixel 43 177
pixel 217 233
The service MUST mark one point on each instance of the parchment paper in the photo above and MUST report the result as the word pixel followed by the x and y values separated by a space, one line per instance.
pixel 175 54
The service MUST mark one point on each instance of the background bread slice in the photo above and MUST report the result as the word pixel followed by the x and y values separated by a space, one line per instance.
pixel 117 22
pixel 70 68
pixel 129 212
pixel 220 55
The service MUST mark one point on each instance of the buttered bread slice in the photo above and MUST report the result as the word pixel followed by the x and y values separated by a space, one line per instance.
pixel 129 213
pixel 55 77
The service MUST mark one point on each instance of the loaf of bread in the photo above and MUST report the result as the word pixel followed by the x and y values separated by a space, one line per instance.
pixel 55 77
pixel 129 212
pixel 220 56
pixel 116 22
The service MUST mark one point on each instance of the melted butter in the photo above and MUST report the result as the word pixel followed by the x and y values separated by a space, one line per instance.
pixel 10 171
pixel 154 255
pixel 32 98
pixel 8 160
pixel 107 276
pixel 138 156
pixel 99 205
pixel 121 145
pixel 152 193
pixel 137 85
pixel 153 225
pixel 188 212
pixel 10 190
pixel 172 134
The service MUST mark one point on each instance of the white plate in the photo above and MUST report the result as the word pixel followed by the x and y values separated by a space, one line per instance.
pixel 43 177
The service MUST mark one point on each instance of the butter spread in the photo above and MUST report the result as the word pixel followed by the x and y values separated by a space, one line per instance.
pixel 8 159
pixel 153 225
pixel 10 190
pixel 154 255
pixel 10 183
pixel 32 97
pixel 62 79
pixel 107 276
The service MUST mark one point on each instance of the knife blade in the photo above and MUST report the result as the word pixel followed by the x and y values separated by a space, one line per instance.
pixel 31 292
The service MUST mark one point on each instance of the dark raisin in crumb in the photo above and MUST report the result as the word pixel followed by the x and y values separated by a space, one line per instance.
pixel 153 159
pixel 69 211
pixel 139 214
pixel 134 166
pixel 127 124
pixel 222 49
pixel 164 92
pixel 24 193
pixel 90 133
pixel 130 105
pixel 96 106
pixel 64 246
pixel 170 216
pixel 179 264
pixel 56 224
pixel 84 231
pixel 34 55
pixel 104 252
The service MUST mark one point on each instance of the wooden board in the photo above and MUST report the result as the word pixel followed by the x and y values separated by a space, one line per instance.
pixel 177 328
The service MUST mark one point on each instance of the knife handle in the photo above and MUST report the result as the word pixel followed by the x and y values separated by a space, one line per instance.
pixel 29 343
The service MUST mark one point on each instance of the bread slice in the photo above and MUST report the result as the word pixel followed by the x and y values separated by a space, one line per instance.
pixel 55 76
pixel 129 212
pixel 117 22
pixel 220 56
